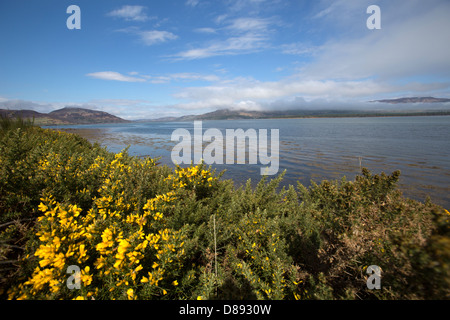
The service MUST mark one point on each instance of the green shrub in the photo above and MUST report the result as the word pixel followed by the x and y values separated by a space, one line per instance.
pixel 138 230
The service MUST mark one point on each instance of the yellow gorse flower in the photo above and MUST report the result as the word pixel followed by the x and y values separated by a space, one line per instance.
pixel 130 294
pixel 110 241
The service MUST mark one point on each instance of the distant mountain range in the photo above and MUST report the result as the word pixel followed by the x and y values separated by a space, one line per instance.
pixel 67 115
pixel 73 115
pixel 227 114
pixel 414 100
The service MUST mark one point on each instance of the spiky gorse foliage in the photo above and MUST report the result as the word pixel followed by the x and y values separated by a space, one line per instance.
pixel 138 230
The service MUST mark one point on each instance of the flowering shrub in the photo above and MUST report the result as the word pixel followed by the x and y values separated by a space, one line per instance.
pixel 138 230
pixel 112 243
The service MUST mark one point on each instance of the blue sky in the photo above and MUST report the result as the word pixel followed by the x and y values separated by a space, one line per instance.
pixel 149 59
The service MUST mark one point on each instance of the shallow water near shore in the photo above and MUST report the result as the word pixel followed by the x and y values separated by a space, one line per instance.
pixel 313 149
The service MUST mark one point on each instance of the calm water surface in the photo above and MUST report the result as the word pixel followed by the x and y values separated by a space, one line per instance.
pixel 316 149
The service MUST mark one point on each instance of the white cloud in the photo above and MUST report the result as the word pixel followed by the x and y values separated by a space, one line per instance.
pixel 18 104
pixel 206 30
pixel 124 108
pixel 149 37
pixel 247 105
pixel 334 9
pixel 249 24
pixel 194 76
pixel 130 13
pixel 199 53
pixel 152 37
pixel 112 75
pixel 183 76
pixel 299 48
pixel 243 35
pixel 252 6
pixel 246 90
pixel 120 102
pixel 192 3
pixel 356 65
pixel 155 79
pixel 407 45
pixel 251 94
pixel 221 18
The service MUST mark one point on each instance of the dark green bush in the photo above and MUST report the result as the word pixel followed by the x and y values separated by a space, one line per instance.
pixel 223 242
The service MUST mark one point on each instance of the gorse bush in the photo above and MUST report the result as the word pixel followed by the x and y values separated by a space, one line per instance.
pixel 7 123
pixel 138 230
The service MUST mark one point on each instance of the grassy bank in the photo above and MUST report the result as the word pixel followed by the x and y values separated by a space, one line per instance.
pixel 138 230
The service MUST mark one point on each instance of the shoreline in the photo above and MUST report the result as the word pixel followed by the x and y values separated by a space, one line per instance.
pixel 317 116
pixel 303 172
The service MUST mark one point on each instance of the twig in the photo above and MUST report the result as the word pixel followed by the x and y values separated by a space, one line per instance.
pixel 8 261
pixel 15 221
pixel 215 245
pixel 215 251
pixel 11 246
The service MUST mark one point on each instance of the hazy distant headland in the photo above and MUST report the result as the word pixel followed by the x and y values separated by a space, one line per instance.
pixel 67 115
pixel 414 100
pixel 75 115
pixel 227 114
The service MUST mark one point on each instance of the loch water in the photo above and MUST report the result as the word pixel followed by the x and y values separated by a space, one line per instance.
pixel 314 148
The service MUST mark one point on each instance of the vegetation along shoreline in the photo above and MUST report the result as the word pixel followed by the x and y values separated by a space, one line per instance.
pixel 138 230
